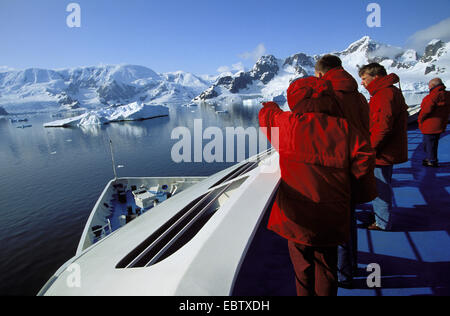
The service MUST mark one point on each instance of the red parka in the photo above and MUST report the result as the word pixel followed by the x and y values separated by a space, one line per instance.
pixel 435 111
pixel 319 153
pixel 353 103
pixel 356 110
pixel 388 121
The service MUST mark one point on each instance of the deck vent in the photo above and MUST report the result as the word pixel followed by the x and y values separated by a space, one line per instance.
pixel 181 228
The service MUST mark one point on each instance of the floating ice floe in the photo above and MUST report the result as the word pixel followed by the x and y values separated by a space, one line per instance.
pixel 251 102
pixel 130 112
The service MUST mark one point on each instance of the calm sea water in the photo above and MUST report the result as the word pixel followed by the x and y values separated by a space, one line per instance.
pixel 50 180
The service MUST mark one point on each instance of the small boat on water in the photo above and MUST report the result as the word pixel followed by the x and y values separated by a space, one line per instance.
pixel 23 120
pixel 24 126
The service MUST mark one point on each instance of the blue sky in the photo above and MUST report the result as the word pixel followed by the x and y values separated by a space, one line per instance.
pixel 198 36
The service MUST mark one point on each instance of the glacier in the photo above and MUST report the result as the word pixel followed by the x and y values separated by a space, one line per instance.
pixel 131 112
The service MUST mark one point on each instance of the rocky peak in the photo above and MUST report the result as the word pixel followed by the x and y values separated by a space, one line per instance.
pixel 242 80
pixel 300 59
pixel 265 69
pixel 432 50
pixel 405 60
pixel 365 44
pixel 409 56
pixel 209 93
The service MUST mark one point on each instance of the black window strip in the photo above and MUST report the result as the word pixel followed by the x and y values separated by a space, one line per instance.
pixel 246 167
pixel 139 249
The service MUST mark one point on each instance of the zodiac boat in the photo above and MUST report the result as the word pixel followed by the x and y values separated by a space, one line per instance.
pixel 170 236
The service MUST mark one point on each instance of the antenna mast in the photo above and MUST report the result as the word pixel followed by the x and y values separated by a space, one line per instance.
pixel 113 162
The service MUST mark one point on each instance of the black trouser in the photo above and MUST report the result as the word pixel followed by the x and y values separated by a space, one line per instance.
pixel 430 144
pixel 315 269
pixel 348 253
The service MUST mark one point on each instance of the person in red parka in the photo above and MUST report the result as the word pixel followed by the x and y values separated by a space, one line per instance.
pixel 388 135
pixel 433 120
pixel 356 110
pixel 319 154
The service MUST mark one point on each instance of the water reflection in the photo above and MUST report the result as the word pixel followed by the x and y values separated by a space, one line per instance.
pixel 39 146
pixel 136 129
pixel 236 114
pixel 50 178
pixel 92 130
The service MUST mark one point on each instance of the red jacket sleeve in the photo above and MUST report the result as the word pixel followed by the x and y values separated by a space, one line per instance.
pixel 364 113
pixel 426 108
pixel 382 118
pixel 269 117
pixel 362 155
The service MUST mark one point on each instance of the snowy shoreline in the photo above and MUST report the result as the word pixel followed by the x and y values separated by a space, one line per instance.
pixel 130 112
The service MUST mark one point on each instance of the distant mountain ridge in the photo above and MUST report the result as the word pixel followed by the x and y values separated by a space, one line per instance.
pixel 270 76
pixel 94 87
pixel 100 86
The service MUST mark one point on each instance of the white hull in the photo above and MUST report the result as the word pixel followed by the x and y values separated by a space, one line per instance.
pixel 192 244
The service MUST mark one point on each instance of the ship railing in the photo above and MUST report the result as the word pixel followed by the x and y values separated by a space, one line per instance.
pixel 100 232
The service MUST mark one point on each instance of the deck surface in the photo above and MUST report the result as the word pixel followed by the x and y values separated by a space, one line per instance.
pixel 414 257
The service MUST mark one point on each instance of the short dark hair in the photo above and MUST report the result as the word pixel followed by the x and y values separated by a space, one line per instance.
pixel 328 62
pixel 373 69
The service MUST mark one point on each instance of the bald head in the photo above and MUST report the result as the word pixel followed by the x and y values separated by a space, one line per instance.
pixel 435 82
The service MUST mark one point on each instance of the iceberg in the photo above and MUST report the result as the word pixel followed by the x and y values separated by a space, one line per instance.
pixel 135 111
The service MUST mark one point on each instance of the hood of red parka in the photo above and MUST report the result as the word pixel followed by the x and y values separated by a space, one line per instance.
pixel 341 80
pixel 312 94
pixel 382 83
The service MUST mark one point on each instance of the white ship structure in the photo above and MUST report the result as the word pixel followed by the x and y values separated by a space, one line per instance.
pixel 182 236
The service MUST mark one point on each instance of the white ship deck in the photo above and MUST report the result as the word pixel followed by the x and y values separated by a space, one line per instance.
pixel 192 244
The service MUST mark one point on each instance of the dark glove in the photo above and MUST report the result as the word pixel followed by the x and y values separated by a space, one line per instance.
pixel 270 104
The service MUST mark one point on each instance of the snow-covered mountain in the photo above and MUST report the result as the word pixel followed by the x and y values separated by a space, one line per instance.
pixel 270 76
pixel 95 87
pixel 111 85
